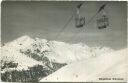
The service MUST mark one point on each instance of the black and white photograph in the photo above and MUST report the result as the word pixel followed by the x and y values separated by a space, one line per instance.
pixel 63 41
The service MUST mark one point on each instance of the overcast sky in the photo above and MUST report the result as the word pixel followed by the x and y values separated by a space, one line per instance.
pixel 46 19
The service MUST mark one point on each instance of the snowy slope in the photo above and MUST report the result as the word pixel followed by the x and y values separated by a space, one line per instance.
pixel 23 61
pixel 101 50
pixel 109 64
pixel 19 43
pixel 69 52
pixel 10 52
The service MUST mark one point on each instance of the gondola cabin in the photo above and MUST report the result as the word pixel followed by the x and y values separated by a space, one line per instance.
pixel 103 22
pixel 80 22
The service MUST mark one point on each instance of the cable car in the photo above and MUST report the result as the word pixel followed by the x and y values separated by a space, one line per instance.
pixel 102 22
pixel 79 20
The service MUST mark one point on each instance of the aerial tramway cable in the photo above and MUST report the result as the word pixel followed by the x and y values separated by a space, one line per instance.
pixel 78 7
pixel 64 27
pixel 57 36
pixel 100 9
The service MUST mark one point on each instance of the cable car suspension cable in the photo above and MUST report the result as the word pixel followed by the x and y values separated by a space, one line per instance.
pixel 100 9
pixel 57 36
pixel 64 27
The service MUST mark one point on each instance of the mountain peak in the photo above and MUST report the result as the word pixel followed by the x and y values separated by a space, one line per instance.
pixel 25 37
pixel 22 41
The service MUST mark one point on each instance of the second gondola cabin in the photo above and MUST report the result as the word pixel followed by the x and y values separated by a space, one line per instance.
pixel 102 22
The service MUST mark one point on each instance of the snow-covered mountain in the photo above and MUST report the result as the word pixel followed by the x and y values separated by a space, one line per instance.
pixel 56 51
pixel 28 52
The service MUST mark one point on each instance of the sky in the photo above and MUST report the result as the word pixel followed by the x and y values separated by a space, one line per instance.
pixel 46 20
